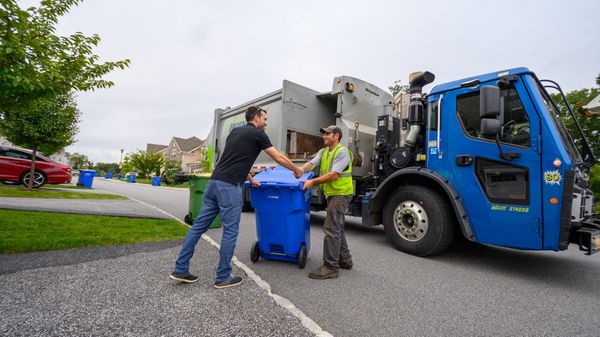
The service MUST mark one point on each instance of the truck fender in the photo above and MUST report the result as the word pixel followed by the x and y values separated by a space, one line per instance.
pixel 429 177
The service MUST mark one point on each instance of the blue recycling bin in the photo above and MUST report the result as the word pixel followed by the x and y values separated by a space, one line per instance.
pixel 108 176
pixel 86 178
pixel 131 178
pixel 155 181
pixel 282 211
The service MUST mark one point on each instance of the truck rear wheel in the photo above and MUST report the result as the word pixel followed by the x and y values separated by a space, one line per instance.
pixel 418 221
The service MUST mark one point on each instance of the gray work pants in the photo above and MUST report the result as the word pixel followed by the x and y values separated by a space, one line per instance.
pixel 335 246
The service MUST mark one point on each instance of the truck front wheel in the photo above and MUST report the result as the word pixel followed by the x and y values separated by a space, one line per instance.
pixel 418 221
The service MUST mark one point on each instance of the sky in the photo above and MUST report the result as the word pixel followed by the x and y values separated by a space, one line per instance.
pixel 190 57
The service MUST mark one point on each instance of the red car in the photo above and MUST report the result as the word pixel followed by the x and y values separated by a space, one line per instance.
pixel 15 166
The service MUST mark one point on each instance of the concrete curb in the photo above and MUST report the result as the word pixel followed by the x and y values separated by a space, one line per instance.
pixel 306 321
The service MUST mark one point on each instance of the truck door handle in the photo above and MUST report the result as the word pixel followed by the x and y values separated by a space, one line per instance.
pixel 464 160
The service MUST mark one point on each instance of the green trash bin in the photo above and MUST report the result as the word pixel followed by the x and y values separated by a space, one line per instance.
pixel 198 184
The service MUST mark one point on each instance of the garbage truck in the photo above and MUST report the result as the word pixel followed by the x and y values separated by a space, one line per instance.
pixel 486 157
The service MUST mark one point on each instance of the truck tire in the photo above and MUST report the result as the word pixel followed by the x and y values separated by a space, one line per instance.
pixel 418 221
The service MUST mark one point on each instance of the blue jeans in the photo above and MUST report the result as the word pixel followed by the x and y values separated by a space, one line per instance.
pixel 219 197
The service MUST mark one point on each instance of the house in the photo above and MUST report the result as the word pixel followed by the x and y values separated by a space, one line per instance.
pixel 593 106
pixel 188 152
pixel 153 148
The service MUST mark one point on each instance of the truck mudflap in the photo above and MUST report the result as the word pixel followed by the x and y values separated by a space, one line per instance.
pixel 589 236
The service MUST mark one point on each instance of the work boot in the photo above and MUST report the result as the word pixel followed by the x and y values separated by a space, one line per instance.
pixel 346 264
pixel 323 272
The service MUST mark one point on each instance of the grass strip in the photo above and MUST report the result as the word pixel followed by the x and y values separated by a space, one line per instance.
pixel 29 231
pixel 21 192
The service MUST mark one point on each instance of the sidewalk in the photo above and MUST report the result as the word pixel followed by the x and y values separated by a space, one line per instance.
pixel 124 208
pixel 131 295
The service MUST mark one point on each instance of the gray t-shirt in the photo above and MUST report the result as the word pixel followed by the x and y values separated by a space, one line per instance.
pixel 340 163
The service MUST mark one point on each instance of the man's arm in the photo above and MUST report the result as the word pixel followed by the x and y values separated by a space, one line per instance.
pixel 283 161
pixel 327 177
pixel 307 167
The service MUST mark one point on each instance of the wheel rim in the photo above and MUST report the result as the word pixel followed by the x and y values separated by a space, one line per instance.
pixel 410 220
pixel 38 179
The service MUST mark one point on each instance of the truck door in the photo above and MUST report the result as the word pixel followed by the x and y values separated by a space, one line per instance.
pixel 501 197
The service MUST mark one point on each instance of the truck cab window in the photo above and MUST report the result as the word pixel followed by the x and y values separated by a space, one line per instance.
pixel 515 126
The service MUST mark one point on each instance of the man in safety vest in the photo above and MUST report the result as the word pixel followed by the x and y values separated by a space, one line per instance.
pixel 335 178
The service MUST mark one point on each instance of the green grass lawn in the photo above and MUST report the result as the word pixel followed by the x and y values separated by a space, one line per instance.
pixel 20 192
pixel 75 187
pixel 149 182
pixel 24 231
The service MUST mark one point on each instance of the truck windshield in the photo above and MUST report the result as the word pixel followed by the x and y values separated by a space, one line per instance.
pixel 574 146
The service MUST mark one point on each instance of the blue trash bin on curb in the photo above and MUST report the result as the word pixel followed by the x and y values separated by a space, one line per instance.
pixel 86 178
pixel 282 212
pixel 131 178
pixel 108 176
pixel 155 181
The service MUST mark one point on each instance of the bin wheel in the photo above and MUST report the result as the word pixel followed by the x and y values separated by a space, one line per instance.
pixel 187 219
pixel 302 257
pixel 255 252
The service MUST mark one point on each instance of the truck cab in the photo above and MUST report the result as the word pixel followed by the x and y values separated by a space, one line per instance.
pixel 497 153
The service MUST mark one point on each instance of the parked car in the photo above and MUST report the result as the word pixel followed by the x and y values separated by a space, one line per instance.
pixel 15 166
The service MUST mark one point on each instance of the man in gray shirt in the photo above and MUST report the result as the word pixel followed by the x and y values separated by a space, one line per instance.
pixel 335 178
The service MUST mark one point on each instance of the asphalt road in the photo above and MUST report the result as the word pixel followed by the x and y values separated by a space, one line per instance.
pixel 471 290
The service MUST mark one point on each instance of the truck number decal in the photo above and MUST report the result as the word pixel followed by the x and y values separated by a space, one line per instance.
pixel 514 209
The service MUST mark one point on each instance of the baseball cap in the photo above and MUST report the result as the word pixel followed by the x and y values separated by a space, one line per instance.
pixel 331 129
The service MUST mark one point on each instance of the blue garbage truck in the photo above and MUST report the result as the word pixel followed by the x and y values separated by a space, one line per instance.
pixel 486 157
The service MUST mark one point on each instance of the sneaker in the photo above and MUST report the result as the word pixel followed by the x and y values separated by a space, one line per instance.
pixel 230 282
pixel 346 264
pixel 184 277
pixel 323 272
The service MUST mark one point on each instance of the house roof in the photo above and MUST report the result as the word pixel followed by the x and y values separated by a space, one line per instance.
pixel 189 144
pixel 152 148
pixel 593 105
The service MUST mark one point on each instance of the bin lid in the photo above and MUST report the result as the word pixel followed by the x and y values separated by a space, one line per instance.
pixel 200 176
pixel 280 176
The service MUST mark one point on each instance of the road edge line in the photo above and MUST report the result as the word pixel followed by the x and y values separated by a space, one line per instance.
pixel 283 302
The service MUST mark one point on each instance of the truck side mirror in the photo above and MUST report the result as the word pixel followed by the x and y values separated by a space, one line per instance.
pixel 489 110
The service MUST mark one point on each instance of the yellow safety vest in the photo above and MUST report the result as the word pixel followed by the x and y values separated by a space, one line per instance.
pixel 342 185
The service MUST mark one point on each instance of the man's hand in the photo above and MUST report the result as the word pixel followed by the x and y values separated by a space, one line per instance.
pixel 254 182
pixel 298 173
pixel 308 184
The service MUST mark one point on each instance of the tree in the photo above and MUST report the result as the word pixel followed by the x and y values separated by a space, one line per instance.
pixel 39 71
pixel 147 163
pixel 47 124
pixel 171 168
pixel 111 168
pixel 590 124
pixel 79 161
pixel 397 87
pixel 127 165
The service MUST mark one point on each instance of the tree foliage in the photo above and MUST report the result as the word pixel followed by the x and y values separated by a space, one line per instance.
pixel 147 163
pixel 590 124
pixel 171 168
pixel 80 161
pixel 35 62
pixel 112 168
pixel 46 124
pixel 397 87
